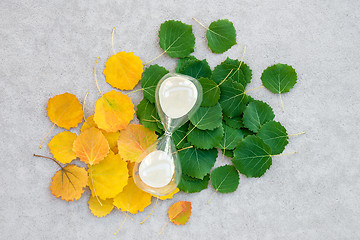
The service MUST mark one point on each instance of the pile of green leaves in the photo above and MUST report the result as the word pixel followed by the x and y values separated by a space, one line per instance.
pixel 230 120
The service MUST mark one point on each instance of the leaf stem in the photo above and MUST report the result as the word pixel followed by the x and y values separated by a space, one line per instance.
pixel 164 227
pixel 224 78
pixel 83 107
pixel 242 58
pixel 253 89
pixel 93 186
pixel 283 154
pixel 54 160
pixel 183 149
pixel 128 216
pixel 186 135
pixel 282 103
pixel 122 224
pixel 134 91
pixel 97 85
pixel 212 195
pixel 46 135
pixel 157 199
pixel 112 40
pixel 296 134
pixel 154 58
pixel 200 23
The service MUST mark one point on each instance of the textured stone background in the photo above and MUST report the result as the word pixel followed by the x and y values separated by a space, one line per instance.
pixel 49 47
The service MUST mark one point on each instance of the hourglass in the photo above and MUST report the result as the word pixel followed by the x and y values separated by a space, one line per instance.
pixel 158 169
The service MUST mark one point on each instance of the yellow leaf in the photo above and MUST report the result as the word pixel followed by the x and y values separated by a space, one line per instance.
pixel 169 196
pixel 134 140
pixel 123 70
pixel 61 146
pixel 88 123
pixel 97 209
pixel 111 137
pixel 131 166
pixel 65 110
pixel 113 111
pixel 132 199
pixel 109 176
pixel 69 182
pixel 91 146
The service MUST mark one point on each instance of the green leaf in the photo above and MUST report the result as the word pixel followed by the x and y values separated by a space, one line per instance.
pixel 256 114
pixel 150 79
pixel 234 122
pixel 250 99
pixel 148 116
pixel 247 72
pixel 252 157
pixel 232 98
pixel 275 135
pixel 176 38
pixel 232 137
pixel 205 139
pixel 197 163
pixel 221 36
pixel 279 78
pixel 225 179
pixel 191 185
pixel 233 70
pixel 196 69
pixel 182 63
pixel 211 92
pixel 180 135
pixel 228 153
pixel 247 132
pixel 207 118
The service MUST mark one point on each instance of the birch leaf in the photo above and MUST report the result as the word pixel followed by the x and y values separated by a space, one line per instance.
pixel 221 36
pixel 257 113
pixel 176 38
pixel 61 146
pixel 225 179
pixel 65 110
pixel 123 70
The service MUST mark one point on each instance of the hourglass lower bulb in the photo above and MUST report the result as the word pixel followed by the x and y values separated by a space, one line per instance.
pixel 158 169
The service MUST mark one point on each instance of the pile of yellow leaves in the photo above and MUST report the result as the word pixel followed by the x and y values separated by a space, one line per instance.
pixel 107 143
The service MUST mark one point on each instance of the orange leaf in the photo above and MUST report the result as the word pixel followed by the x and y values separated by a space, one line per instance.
pixel 111 137
pixel 132 198
pixel 89 122
pixel 61 146
pixel 100 210
pixel 123 70
pixel 179 213
pixel 69 182
pixel 91 146
pixel 134 140
pixel 109 176
pixel 131 166
pixel 65 110
pixel 113 111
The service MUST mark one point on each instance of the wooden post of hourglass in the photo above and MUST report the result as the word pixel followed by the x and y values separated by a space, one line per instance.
pixel 158 170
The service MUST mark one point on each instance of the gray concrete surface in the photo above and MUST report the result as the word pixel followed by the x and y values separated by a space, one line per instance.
pixel 49 47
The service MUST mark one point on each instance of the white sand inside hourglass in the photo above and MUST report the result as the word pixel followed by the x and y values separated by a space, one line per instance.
pixel 157 169
pixel 177 96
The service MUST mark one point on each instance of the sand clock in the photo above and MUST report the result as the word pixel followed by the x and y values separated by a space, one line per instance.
pixel 158 170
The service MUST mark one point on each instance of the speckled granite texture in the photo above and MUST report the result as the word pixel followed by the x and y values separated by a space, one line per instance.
pixel 49 47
